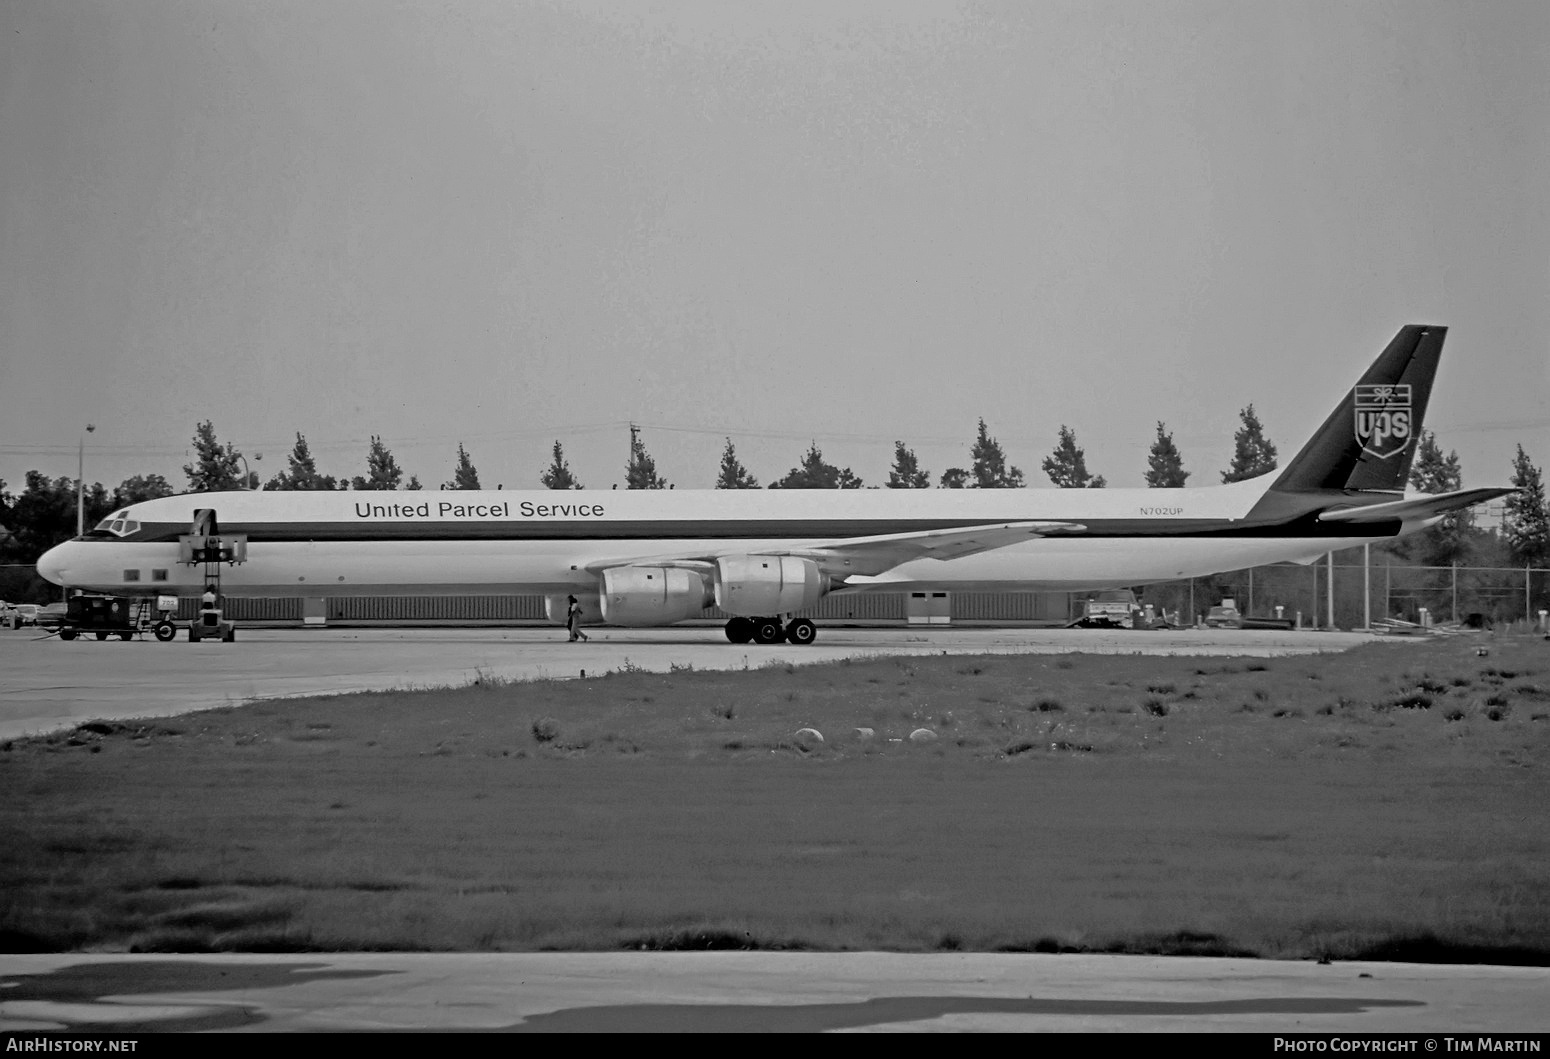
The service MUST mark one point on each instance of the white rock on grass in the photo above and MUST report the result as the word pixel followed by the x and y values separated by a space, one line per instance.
pixel 922 735
pixel 809 736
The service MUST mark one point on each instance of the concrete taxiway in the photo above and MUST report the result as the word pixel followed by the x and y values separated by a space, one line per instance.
pixel 47 684
pixel 761 992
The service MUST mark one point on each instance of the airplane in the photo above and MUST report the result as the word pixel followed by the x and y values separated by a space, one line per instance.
pixel 656 557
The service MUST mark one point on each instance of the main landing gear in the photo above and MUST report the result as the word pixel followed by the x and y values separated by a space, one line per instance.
pixel 770 630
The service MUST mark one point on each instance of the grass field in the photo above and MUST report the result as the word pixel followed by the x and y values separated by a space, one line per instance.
pixel 1390 802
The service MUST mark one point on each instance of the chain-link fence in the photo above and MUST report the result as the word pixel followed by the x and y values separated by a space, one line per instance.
pixel 1364 593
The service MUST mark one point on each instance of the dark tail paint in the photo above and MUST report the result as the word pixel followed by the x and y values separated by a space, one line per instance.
pixel 1369 440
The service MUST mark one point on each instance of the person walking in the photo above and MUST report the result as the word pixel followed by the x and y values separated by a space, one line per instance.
pixel 573 620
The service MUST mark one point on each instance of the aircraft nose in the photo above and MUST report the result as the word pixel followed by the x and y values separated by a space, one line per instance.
pixel 51 565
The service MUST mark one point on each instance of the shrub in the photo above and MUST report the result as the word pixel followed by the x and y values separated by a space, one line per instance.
pixel 546 729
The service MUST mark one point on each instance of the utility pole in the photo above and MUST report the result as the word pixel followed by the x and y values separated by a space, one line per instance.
pixel 80 483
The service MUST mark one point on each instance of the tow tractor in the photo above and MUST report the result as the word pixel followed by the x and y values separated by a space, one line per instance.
pixel 207 546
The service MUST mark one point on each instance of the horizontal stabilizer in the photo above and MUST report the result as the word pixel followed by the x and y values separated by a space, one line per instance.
pixel 1413 508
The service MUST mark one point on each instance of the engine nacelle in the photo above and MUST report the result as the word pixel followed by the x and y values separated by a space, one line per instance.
pixel 557 608
pixel 652 595
pixel 766 586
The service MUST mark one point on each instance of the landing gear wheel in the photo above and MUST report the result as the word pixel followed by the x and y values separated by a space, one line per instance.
pixel 768 630
pixel 801 632
pixel 126 636
pixel 193 634
pixel 229 635
pixel 101 636
pixel 165 631
pixel 67 634
pixel 740 630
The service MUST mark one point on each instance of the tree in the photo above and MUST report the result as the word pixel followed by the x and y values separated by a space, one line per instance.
pixel 1447 542
pixel 906 473
pixel 303 474
pixel 815 473
pixel 1527 525
pixel 141 487
pixel 463 476
pixel 1165 467
pixel 1067 465
pixel 558 475
pixel 955 478
pixel 733 474
pixel 641 471
pixel 44 514
pixel 991 471
pixel 214 468
pixel 382 470
pixel 1253 453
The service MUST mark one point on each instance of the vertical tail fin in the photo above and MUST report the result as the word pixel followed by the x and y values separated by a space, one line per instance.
pixel 1369 440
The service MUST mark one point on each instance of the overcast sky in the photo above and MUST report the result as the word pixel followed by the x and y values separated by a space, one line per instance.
pixel 508 223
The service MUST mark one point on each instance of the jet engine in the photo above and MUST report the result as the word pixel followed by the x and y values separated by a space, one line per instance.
pixel 652 595
pixel 761 586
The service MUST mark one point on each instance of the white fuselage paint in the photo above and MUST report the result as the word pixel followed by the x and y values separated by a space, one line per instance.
pixel 543 542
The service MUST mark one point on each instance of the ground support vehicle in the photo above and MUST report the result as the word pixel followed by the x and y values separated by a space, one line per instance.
pixel 211 624
pixel 105 616
pixel 206 546
pixel 1114 609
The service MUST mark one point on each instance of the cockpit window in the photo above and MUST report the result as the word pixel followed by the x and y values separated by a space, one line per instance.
pixel 117 525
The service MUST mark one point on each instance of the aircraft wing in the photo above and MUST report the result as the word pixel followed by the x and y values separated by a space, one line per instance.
pixel 873 554
pixel 1414 508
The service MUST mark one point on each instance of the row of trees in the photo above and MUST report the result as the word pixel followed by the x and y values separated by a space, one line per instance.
pixel 217 467
pixel 989 468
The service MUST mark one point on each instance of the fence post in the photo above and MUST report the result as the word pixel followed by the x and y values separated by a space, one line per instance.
pixel 1528 606
pixel 1331 593
pixel 1367 587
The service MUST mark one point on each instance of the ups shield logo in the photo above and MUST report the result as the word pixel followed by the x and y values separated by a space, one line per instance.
pixel 1383 418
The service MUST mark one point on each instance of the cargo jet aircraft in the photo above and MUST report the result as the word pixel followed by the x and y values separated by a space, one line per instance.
pixel 645 558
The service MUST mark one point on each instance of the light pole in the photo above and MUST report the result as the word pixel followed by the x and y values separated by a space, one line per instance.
pixel 80 483
pixel 247 475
